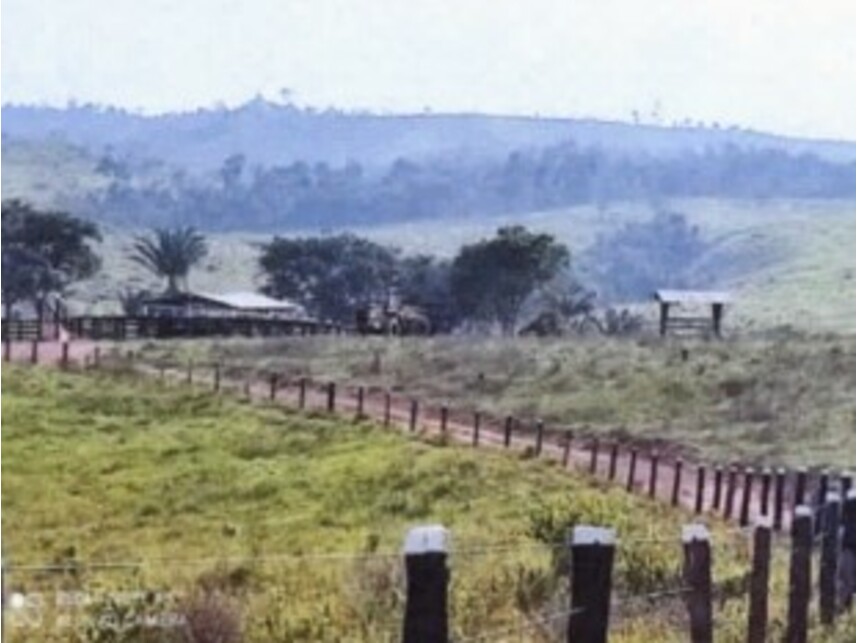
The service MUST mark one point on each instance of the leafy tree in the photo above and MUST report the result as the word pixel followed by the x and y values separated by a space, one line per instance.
pixel 331 276
pixel 44 252
pixel 639 258
pixel 493 278
pixel 170 253
pixel 424 281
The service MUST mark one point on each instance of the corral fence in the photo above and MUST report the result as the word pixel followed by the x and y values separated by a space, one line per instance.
pixel 814 508
pixel 122 327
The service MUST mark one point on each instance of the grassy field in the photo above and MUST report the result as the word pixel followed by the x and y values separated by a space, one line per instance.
pixel 785 400
pixel 789 263
pixel 213 498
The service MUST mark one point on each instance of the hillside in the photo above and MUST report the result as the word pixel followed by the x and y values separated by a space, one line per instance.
pixel 264 506
pixel 273 134
pixel 790 263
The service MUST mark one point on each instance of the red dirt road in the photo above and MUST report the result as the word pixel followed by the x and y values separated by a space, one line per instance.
pixel 642 473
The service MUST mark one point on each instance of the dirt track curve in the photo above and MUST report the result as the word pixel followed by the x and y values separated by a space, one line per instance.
pixel 636 470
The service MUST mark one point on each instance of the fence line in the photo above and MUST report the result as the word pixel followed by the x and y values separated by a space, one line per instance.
pixel 733 490
pixel 819 519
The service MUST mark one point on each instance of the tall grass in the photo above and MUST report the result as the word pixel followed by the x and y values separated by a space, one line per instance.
pixel 777 400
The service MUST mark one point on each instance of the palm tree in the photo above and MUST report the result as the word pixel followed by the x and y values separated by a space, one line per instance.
pixel 170 254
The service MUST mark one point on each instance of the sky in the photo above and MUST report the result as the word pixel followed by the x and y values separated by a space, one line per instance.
pixel 785 66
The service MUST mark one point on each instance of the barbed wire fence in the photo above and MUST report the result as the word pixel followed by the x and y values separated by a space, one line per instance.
pixel 813 498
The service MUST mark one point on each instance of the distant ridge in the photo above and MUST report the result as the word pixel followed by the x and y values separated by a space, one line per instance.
pixel 270 133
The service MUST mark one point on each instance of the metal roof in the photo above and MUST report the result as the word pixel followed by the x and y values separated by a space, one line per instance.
pixel 692 297
pixel 249 301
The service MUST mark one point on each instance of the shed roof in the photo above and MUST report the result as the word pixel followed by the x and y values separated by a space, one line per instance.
pixel 249 301
pixel 241 300
pixel 692 297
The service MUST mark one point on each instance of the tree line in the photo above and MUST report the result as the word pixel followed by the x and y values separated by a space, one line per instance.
pixel 304 196
pixel 495 283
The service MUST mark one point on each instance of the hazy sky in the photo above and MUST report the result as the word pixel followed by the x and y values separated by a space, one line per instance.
pixel 781 65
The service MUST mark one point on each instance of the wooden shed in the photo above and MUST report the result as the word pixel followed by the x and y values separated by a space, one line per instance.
pixel 680 310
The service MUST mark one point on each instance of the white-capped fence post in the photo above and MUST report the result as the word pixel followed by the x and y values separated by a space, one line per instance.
pixel 593 551
pixel 426 618
pixel 697 578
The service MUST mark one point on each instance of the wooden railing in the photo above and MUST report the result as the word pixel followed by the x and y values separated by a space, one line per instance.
pixel 120 327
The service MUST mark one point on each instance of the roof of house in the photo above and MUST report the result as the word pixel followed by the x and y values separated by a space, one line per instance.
pixel 692 297
pixel 242 300
pixel 249 301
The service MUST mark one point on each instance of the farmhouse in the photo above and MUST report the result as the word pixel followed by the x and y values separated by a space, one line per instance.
pixel 221 305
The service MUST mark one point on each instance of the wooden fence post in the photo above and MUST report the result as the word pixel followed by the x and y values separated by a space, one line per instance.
pixel 216 377
pixel 697 579
pixel 7 350
pixel 653 474
pixel 731 488
pixel 540 437
pixel 800 576
pixel 566 449
pixel 847 567
pixel 717 500
pixel 820 500
pixel 444 419
pixel 331 397
pixel 614 461
pixel 747 497
pixel 595 446
pixel 846 484
pixel 779 499
pixel 477 426
pixel 507 431
pixel 676 495
pixel 34 352
pixel 595 453
pixel 823 489
pixel 96 357
pixel 800 488
pixel 361 402
pixel 700 489
pixel 426 616
pixel 830 515
pixel 593 551
pixel 765 504
pixel 64 356
pixel 415 413
pixel 302 393
pixel 632 471
pixel 189 374
pixel 273 384
pixel 757 629
pixel 388 408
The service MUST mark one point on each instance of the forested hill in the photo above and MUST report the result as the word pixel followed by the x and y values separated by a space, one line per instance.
pixel 272 134
pixel 269 167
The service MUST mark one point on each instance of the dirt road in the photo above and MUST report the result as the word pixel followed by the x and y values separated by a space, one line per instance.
pixel 735 494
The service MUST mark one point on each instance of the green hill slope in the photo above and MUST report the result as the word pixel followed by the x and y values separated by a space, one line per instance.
pixel 207 492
